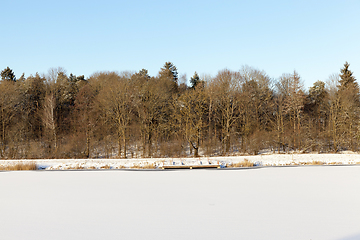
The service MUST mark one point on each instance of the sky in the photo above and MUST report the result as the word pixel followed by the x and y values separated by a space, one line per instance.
pixel 314 38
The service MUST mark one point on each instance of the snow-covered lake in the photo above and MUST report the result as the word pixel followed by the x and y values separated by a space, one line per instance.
pixel 312 202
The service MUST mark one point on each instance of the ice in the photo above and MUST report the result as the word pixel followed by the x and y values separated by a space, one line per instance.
pixel 263 203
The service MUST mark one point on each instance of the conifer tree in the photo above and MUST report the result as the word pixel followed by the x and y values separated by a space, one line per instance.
pixel 169 67
pixel 8 75
pixel 194 80
pixel 346 78
pixel 349 103
pixel 169 76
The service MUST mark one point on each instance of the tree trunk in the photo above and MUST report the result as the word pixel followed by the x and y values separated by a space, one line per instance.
pixel 87 153
pixel 3 134
pixel 196 152
pixel 124 142
pixel 119 146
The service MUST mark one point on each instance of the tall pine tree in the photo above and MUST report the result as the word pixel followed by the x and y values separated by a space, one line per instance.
pixel 346 78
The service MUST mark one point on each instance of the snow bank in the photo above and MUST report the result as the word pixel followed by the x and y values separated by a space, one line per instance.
pixel 258 160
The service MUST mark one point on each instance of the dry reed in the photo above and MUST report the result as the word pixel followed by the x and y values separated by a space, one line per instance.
pixel 19 166
pixel 245 163
pixel 144 166
pixel 105 167
pixel 313 163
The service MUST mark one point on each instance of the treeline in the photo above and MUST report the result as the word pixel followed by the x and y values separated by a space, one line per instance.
pixel 136 115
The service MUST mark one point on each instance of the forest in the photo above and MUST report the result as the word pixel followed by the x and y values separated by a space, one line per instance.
pixel 133 114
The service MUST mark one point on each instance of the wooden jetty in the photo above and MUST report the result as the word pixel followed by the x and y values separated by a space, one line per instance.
pixel 190 166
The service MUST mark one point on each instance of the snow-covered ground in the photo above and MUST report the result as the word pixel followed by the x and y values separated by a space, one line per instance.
pixel 259 160
pixel 306 202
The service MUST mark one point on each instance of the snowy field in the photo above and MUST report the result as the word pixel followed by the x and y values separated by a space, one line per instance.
pixel 305 202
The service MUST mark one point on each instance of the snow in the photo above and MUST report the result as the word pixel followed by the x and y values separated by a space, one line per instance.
pixel 259 160
pixel 305 202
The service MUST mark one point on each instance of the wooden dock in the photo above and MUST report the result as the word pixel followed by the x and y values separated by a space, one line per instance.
pixel 190 166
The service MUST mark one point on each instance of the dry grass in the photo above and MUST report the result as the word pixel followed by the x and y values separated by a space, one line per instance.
pixel 335 163
pixel 312 163
pixel 245 163
pixel 76 167
pixel 317 163
pixel 19 166
pixel 71 167
pixel 144 166
pixel 105 167
pixel 292 164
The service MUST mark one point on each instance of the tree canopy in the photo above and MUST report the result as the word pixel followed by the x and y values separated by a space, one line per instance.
pixel 133 114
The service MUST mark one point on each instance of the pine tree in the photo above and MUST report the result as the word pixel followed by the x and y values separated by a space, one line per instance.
pixel 169 75
pixel 144 73
pixel 8 75
pixel 170 68
pixel 194 80
pixel 346 78
pixel 349 106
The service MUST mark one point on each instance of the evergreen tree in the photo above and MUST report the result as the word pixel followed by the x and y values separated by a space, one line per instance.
pixel 346 78
pixel 170 69
pixel 349 108
pixel 8 75
pixel 168 75
pixel 194 80
pixel 143 73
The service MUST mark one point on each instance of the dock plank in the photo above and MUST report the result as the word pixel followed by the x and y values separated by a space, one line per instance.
pixel 190 166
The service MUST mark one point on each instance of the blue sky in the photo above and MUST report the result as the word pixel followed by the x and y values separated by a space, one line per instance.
pixel 314 38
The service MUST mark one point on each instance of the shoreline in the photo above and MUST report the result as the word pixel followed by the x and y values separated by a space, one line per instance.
pixel 268 160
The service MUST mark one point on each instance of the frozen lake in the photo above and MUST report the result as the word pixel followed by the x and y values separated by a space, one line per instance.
pixel 315 202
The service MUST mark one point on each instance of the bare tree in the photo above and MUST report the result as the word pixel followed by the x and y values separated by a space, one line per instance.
pixel 116 98
pixel 227 84
pixel 189 111
pixel 334 111
pixel 290 87
pixel 85 115
pixel 9 102
pixel 49 118
pixel 153 98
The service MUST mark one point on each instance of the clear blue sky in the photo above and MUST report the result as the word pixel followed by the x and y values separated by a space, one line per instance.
pixel 314 38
